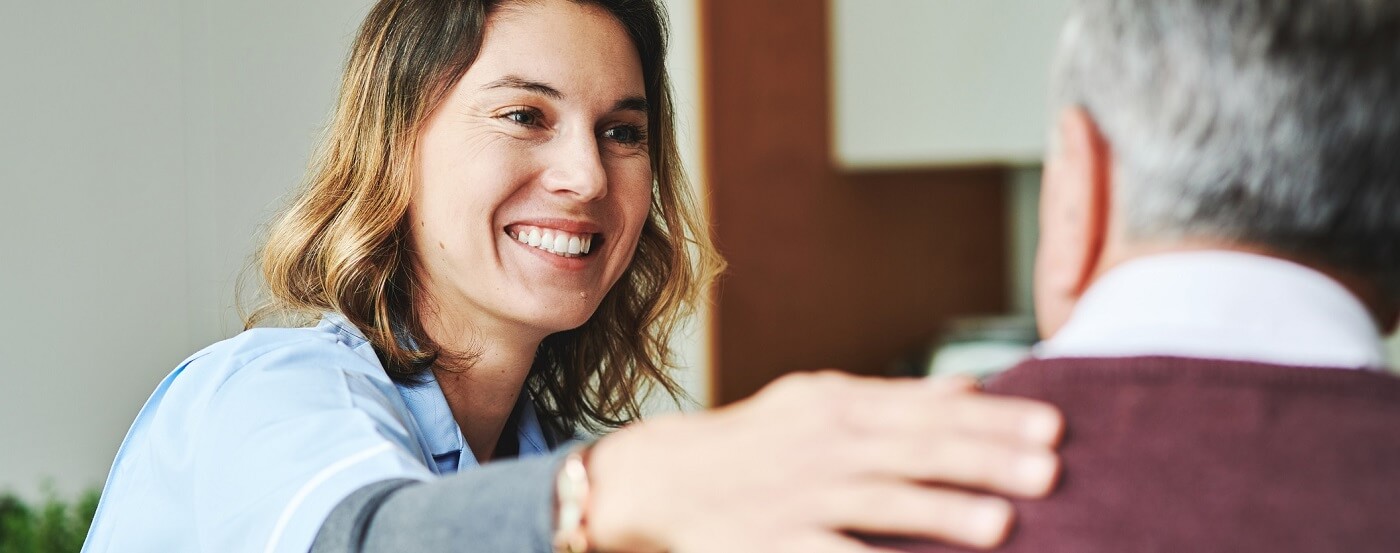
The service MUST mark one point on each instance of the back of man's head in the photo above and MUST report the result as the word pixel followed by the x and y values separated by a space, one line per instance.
pixel 1271 123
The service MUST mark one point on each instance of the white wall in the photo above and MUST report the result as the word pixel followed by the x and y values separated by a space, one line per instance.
pixel 143 143
pixel 94 229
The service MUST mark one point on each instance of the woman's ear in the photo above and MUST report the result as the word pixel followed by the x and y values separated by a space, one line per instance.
pixel 1074 217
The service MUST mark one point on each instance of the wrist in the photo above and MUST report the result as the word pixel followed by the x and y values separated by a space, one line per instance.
pixel 617 514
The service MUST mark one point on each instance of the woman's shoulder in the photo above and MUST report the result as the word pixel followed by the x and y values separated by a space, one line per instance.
pixel 266 425
pixel 332 336
pixel 264 377
pixel 332 349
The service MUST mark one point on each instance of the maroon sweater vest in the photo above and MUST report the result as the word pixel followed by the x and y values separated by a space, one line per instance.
pixel 1189 455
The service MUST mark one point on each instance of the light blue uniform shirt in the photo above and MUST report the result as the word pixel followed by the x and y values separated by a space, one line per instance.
pixel 249 444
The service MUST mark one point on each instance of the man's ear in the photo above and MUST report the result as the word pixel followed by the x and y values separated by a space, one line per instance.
pixel 1074 217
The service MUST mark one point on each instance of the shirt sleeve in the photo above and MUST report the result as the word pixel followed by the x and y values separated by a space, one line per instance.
pixel 286 436
pixel 502 506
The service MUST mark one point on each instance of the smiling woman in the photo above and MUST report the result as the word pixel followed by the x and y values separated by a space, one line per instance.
pixel 547 141
pixel 503 132
pixel 490 255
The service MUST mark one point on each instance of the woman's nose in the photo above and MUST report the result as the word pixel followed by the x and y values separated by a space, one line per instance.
pixel 576 169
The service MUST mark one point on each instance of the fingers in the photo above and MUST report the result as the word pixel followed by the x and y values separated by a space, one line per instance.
pixel 827 539
pixel 1014 420
pixel 931 431
pixel 886 508
pixel 952 384
pixel 942 432
pixel 964 461
pixel 829 542
pixel 914 406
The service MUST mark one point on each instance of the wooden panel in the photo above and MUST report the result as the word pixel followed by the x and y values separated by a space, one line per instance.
pixel 828 269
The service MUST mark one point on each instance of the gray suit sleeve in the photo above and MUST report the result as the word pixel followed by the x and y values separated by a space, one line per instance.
pixel 502 506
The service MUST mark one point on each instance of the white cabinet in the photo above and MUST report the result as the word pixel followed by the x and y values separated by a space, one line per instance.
pixel 926 83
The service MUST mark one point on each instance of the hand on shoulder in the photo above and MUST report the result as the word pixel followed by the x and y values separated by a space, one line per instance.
pixel 816 457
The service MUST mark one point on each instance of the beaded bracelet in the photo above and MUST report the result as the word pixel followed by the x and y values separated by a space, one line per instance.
pixel 571 489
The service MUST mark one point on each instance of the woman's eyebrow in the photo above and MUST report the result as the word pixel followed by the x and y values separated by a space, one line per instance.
pixel 631 103
pixel 634 103
pixel 512 81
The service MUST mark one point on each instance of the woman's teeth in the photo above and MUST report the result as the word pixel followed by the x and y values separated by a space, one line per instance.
pixel 557 242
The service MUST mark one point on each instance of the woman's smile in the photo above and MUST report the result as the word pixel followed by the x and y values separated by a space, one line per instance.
pixel 567 239
pixel 571 246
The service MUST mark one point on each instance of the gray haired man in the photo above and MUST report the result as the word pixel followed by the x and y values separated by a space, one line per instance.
pixel 1219 260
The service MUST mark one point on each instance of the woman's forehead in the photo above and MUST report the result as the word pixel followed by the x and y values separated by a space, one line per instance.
pixel 577 49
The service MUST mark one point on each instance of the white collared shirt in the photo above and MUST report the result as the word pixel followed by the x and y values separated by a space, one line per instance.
pixel 1220 305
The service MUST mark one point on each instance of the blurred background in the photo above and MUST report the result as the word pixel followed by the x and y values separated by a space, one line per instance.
pixel 870 168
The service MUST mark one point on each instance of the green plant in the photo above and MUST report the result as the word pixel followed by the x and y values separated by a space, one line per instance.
pixel 52 526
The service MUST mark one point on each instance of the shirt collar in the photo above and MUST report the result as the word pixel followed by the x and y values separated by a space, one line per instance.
pixel 340 325
pixel 1220 305
pixel 443 439
pixel 438 432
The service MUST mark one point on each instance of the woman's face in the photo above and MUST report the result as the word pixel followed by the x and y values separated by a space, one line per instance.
pixel 534 179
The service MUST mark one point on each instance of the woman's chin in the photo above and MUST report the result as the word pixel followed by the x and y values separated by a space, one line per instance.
pixel 556 320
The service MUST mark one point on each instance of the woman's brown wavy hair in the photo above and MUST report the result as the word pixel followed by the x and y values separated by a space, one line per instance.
pixel 343 244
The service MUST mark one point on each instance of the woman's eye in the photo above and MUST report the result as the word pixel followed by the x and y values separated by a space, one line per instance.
pixel 523 117
pixel 626 134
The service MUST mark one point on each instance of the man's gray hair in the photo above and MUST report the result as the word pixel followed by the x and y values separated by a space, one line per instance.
pixel 1273 123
